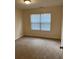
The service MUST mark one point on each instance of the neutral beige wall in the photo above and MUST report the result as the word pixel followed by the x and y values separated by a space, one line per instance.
pixel 55 24
pixel 18 23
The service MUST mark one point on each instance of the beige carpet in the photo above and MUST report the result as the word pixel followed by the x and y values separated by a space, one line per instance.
pixel 37 48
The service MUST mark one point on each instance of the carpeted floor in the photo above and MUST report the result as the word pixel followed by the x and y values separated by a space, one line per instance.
pixel 37 48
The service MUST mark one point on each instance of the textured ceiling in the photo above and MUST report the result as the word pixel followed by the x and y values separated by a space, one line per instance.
pixel 37 3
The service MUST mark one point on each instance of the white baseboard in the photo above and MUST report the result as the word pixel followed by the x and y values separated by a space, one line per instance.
pixel 19 36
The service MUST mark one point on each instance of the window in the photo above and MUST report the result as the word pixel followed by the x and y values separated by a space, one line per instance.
pixel 41 21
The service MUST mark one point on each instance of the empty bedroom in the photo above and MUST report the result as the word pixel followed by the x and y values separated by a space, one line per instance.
pixel 38 29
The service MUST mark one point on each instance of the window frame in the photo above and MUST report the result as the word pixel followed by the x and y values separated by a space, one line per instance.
pixel 40 22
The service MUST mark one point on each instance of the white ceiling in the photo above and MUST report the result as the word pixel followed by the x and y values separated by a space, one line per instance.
pixel 37 3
